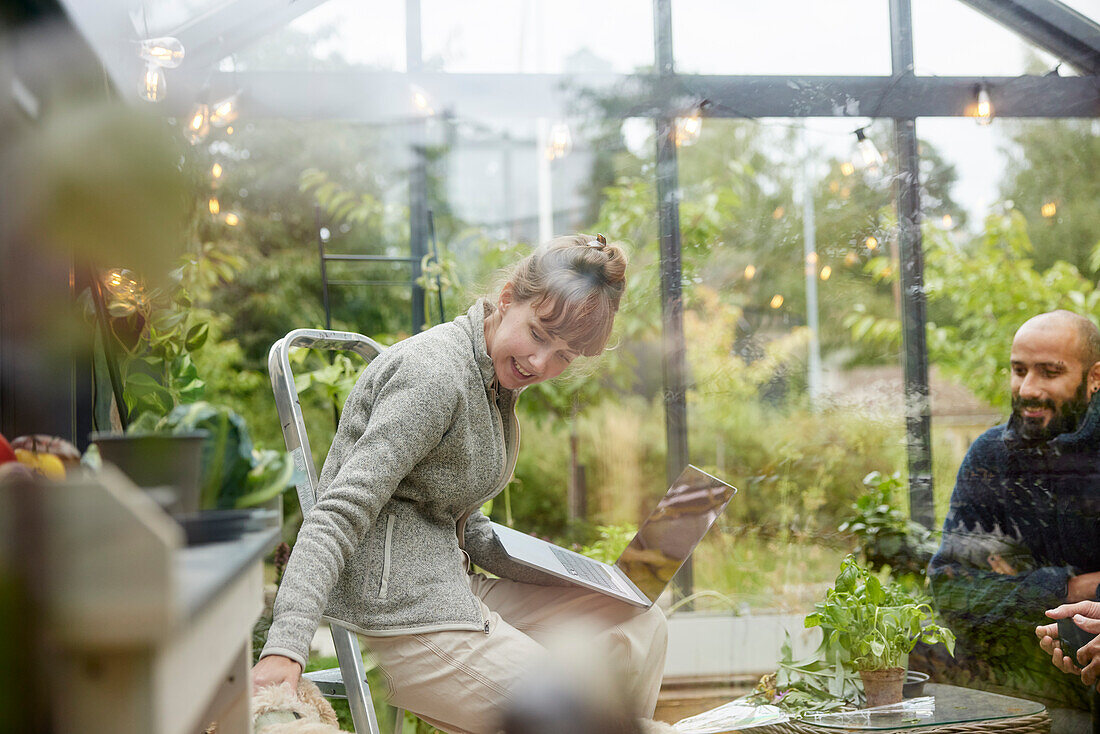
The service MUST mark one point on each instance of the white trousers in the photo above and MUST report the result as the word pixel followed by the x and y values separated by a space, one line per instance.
pixel 462 681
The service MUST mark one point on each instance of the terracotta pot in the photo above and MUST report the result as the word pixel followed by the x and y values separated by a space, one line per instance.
pixel 882 686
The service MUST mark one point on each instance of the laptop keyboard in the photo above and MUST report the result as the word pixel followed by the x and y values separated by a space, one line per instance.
pixel 583 568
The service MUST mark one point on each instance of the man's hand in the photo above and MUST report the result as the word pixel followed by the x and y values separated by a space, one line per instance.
pixel 1000 565
pixel 1086 615
pixel 274 670
pixel 1083 587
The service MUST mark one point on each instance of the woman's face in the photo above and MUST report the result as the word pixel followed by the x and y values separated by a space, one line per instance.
pixel 523 352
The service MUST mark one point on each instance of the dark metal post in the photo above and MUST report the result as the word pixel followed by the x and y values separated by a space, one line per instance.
pixel 418 170
pixel 672 306
pixel 918 414
pixel 324 268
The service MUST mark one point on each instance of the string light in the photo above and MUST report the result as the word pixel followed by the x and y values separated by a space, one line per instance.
pixel 778 212
pixel 869 156
pixel 983 106
pixel 750 272
pixel 232 219
pixel 834 186
pixel 689 128
pixel 1049 209
pixel 826 272
pixel 152 84
pixel 214 204
pixel 198 125
pixel 216 171
pixel 420 100
pixel 225 111
pixel 847 168
pixel 166 51
pixel 229 130
pixel 777 301
pixel 947 221
pixel 159 54
pixel 851 258
pixel 560 142
pixel 871 243
pixel 811 258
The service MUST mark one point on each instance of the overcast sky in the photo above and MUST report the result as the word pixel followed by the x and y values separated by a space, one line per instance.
pixel 715 37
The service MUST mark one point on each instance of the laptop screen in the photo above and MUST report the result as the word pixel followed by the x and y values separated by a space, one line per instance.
pixel 673 529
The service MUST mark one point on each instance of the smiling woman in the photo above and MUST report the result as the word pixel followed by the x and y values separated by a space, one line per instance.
pixel 558 303
pixel 427 436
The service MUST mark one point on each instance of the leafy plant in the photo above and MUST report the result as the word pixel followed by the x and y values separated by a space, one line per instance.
pixel 869 625
pixel 808 684
pixel 234 475
pixel 887 537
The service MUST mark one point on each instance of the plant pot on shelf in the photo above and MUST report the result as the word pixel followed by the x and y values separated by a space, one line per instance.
pixel 166 465
pixel 883 686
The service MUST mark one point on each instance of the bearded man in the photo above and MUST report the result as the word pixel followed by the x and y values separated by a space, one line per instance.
pixel 1022 534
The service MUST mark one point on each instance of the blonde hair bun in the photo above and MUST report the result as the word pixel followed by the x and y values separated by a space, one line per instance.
pixel 576 283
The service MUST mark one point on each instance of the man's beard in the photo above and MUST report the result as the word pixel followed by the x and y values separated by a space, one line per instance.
pixel 1065 419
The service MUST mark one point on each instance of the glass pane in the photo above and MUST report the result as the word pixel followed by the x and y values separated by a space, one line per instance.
pixel 336 33
pixel 951 39
pixel 537 36
pixel 1090 8
pixel 841 37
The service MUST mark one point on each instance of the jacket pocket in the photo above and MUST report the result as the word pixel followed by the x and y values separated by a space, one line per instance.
pixel 383 588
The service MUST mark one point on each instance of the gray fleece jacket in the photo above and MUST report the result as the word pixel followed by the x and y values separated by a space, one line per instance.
pixel 426 438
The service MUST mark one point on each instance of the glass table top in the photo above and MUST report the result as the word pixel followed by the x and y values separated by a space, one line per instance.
pixel 951 705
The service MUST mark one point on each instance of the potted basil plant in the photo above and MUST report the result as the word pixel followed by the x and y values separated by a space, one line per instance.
pixel 872 627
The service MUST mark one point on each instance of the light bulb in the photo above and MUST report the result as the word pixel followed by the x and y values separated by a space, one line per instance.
pixel 777 301
pixel 778 212
pixel 152 83
pixel 198 124
pixel 232 219
pixel 847 168
pixel 689 128
pixel 826 272
pixel 812 258
pixel 225 111
pixel 871 243
pixel 215 205
pixel 869 156
pixel 1049 209
pixel 947 221
pixel 851 258
pixel 216 171
pixel 229 130
pixel 750 272
pixel 983 109
pixel 165 51
pixel 421 102
pixel 560 142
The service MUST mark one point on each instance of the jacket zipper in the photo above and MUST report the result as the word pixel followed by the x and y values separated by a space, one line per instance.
pixel 511 456
pixel 383 589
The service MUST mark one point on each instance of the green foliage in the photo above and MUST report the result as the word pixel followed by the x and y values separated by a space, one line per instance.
pixel 610 542
pixel 869 625
pixel 887 537
pixel 809 684
pixel 1056 162
pixel 233 474
pixel 973 315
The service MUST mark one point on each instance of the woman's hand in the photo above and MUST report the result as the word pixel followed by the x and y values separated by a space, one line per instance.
pixel 274 670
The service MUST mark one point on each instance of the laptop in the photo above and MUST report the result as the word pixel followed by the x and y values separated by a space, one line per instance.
pixel 664 541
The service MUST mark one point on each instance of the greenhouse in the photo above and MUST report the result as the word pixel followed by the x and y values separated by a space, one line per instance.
pixel 794 306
